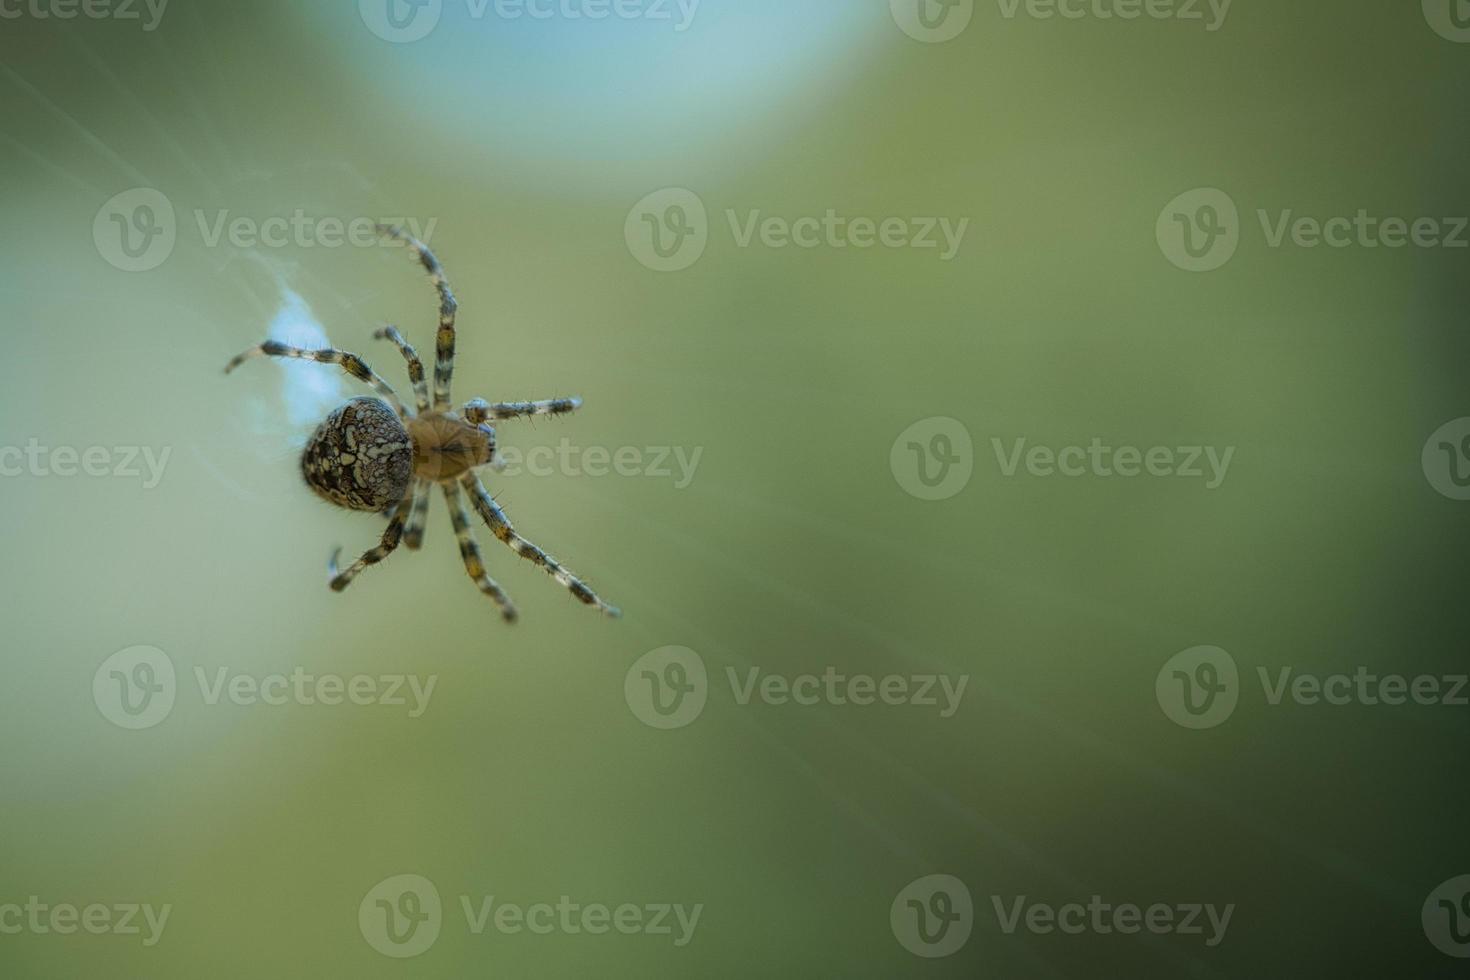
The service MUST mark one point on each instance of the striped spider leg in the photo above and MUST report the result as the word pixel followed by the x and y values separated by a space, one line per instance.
pixel 448 308
pixel 491 513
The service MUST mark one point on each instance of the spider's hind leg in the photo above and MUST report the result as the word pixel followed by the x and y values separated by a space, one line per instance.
pixel 413 535
pixel 391 536
pixel 491 513
pixel 469 550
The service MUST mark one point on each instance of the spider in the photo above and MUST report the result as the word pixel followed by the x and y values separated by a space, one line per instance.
pixel 373 454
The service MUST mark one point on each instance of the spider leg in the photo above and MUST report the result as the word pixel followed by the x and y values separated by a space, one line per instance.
pixel 391 536
pixel 350 363
pixel 448 306
pixel 415 366
pixel 469 550
pixel 491 513
pixel 479 410
pixel 413 535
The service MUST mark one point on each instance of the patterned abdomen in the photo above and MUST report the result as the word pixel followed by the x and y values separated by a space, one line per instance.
pixel 361 457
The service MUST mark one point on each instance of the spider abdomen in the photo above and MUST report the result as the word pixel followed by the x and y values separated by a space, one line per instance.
pixel 360 458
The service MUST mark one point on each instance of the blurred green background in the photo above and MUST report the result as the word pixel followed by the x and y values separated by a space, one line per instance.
pixel 795 547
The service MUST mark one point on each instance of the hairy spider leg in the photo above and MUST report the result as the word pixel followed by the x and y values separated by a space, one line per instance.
pixel 415 366
pixel 348 362
pixel 448 307
pixel 469 550
pixel 500 525
pixel 391 536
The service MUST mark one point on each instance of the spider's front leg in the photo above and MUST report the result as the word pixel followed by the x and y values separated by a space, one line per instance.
pixel 479 410
pixel 348 362
pixel 415 366
pixel 391 536
pixel 448 308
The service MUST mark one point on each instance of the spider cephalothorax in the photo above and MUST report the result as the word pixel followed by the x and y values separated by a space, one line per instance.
pixel 373 454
